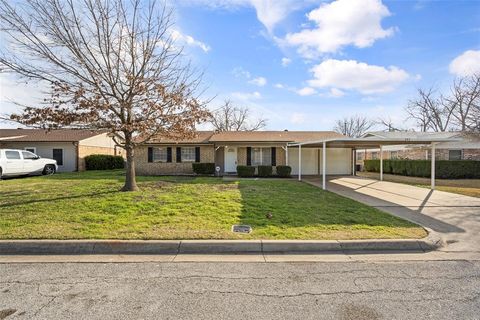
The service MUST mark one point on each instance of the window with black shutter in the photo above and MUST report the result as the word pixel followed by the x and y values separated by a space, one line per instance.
pixel 58 156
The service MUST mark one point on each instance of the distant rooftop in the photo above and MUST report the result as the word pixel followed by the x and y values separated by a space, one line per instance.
pixel 41 135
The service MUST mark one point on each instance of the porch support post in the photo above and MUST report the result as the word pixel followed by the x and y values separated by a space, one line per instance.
pixel 381 163
pixel 299 162
pixel 324 166
pixel 432 174
pixel 286 155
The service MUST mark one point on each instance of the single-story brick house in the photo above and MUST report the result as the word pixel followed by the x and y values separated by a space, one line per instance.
pixel 68 147
pixel 465 147
pixel 230 149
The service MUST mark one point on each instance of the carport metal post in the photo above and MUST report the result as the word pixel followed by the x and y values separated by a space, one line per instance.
pixel 381 163
pixel 324 165
pixel 432 173
pixel 353 162
pixel 299 162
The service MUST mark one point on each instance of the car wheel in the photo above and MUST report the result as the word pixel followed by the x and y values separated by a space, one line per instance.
pixel 48 170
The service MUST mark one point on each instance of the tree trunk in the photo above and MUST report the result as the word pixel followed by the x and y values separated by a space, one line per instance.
pixel 130 179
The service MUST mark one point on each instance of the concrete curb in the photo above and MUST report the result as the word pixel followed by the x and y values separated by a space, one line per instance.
pixel 71 247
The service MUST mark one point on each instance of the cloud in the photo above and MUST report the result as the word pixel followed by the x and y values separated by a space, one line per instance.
pixel 189 41
pixel 358 76
pixel 246 96
pixel 279 86
pixel 341 23
pixel 286 62
pixel 306 91
pixel 298 118
pixel 466 64
pixel 239 72
pixel 336 93
pixel 259 81
pixel 269 12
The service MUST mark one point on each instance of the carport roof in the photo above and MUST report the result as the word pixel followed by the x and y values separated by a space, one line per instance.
pixel 368 142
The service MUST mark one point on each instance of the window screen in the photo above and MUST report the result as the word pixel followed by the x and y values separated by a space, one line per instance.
pixel 454 154
pixel 160 154
pixel 188 154
pixel 58 156
pixel 261 156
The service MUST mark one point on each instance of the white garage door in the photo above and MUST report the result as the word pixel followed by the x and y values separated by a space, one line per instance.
pixel 309 160
pixel 338 161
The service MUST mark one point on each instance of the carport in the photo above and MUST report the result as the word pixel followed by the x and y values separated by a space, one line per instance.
pixel 362 143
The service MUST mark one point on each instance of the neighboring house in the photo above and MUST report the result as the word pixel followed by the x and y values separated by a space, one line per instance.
pixel 230 149
pixel 68 147
pixel 466 148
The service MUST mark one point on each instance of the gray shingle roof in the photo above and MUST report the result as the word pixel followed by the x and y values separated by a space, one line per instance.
pixel 40 135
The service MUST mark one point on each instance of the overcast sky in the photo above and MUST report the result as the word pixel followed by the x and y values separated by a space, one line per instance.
pixel 304 64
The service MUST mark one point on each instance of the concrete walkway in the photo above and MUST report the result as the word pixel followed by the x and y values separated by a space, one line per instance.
pixel 455 217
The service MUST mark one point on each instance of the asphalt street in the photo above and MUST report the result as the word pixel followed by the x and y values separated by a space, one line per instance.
pixel 326 290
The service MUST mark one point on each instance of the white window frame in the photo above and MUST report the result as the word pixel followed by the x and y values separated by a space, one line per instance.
pixel 394 155
pixel 184 153
pixel 31 148
pixel 63 156
pixel 461 153
pixel 264 155
pixel 163 158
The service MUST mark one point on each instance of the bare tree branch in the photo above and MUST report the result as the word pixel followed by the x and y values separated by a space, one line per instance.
pixel 231 118
pixel 354 126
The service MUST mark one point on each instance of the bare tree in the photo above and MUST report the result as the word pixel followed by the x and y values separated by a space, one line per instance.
pixel 457 110
pixel 111 64
pixel 231 118
pixel 464 102
pixel 418 109
pixel 354 126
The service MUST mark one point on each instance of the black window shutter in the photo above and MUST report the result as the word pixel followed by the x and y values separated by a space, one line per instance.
pixel 249 156
pixel 169 154
pixel 179 154
pixel 274 156
pixel 197 154
pixel 150 154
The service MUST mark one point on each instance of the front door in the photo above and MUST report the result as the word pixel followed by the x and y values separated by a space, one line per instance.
pixel 231 159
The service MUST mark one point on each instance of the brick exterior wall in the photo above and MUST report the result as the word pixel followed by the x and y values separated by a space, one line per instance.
pixel 84 151
pixel 143 167
pixel 471 154
pixel 207 154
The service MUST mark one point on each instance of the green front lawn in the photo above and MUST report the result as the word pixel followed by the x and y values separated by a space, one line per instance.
pixel 88 205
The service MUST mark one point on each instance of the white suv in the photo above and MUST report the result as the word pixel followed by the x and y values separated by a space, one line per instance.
pixel 21 162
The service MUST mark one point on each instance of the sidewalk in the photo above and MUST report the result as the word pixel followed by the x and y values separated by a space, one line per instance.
pixel 455 217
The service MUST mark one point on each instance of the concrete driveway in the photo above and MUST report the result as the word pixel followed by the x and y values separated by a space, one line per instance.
pixel 455 217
